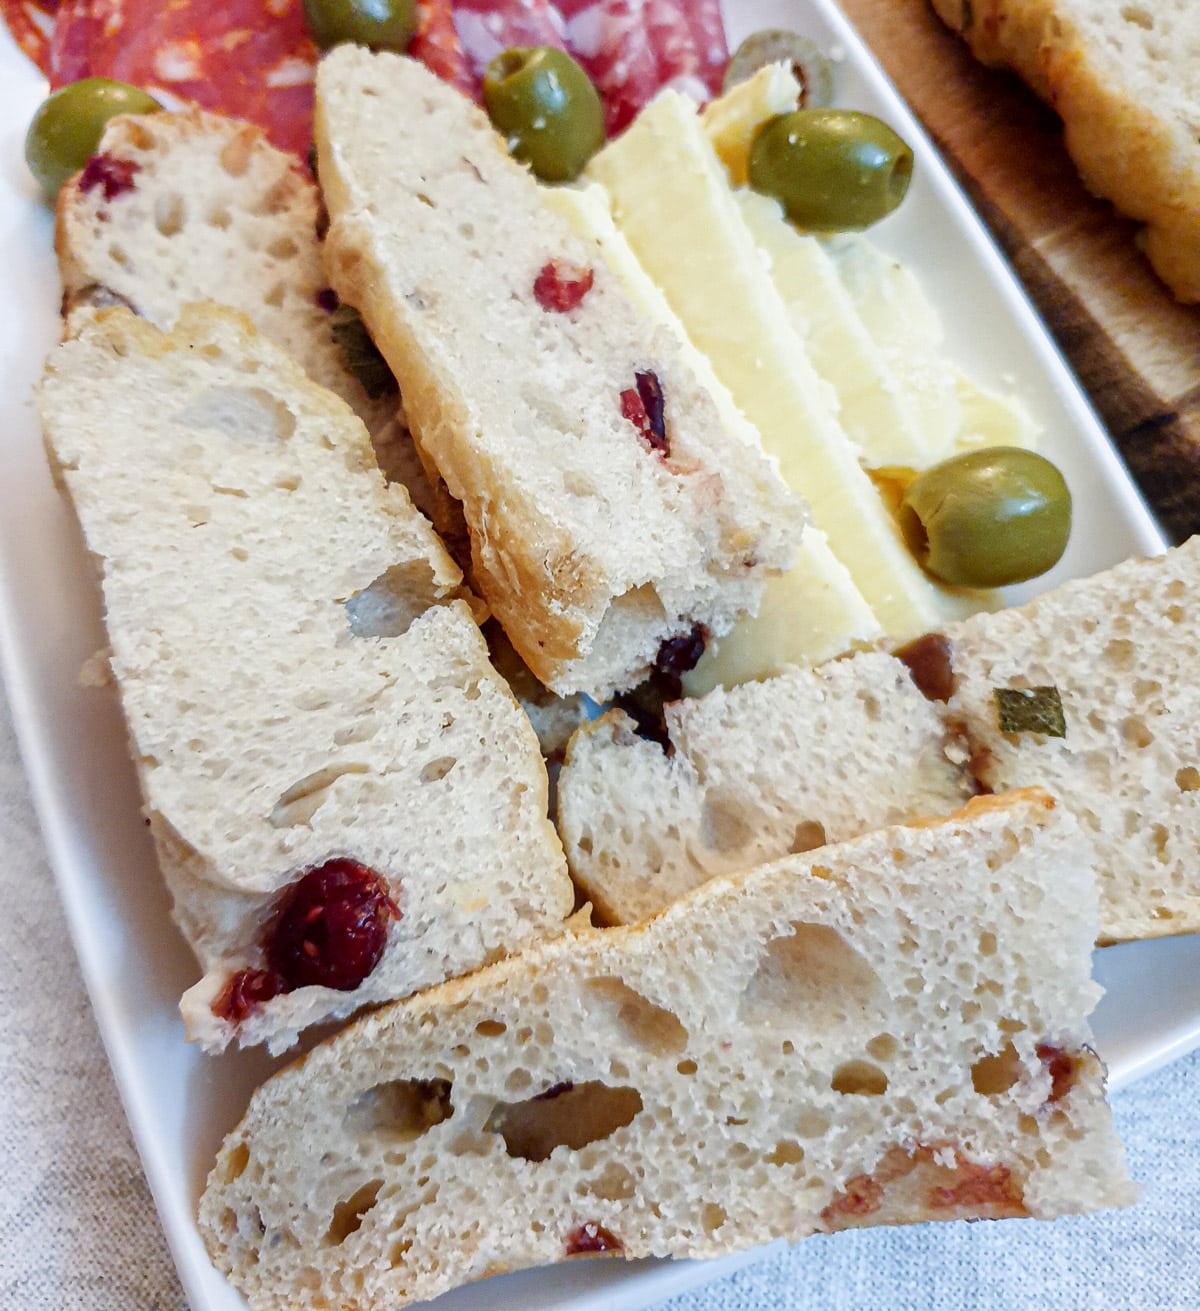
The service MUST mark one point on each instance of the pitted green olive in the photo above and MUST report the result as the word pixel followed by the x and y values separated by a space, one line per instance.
pixel 543 102
pixel 989 518
pixel 833 170
pixel 66 129
pixel 378 24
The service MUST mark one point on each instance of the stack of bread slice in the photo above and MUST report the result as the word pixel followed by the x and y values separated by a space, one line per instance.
pixel 890 1030
pixel 840 1012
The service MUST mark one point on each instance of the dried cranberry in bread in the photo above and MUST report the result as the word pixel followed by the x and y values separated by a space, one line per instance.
pixel 347 802
pixel 891 1029
pixel 214 212
pixel 1125 79
pixel 609 510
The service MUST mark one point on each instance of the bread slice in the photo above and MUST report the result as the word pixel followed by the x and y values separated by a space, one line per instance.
pixel 762 768
pixel 894 1029
pixel 595 537
pixel 301 681
pixel 1126 81
pixel 217 213
pixel 752 774
pixel 1122 650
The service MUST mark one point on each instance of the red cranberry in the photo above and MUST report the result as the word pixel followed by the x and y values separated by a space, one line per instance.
pixel 107 171
pixel 245 992
pixel 560 287
pixel 1061 1066
pixel 679 655
pixel 645 409
pixel 930 662
pixel 591 1237
pixel 332 927
pixel 327 299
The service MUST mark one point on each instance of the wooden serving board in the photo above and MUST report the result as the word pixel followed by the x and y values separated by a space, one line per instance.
pixel 1134 348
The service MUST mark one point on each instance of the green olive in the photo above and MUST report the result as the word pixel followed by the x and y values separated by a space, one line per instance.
pixel 379 24
pixel 988 518
pixel 546 106
pixel 812 67
pixel 833 170
pixel 66 129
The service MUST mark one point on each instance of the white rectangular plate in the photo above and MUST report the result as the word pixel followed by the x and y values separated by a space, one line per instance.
pixel 180 1103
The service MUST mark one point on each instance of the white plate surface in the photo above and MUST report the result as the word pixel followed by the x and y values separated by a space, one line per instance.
pixel 181 1103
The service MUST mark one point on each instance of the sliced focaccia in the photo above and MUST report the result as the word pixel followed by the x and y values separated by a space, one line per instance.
pixel 347 802
pixel 610 512
pixel 892 1029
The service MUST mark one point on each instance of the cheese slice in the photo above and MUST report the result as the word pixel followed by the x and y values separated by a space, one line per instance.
pixel 875 408
pixel 732 120
pixel 672 201
pixel 812 612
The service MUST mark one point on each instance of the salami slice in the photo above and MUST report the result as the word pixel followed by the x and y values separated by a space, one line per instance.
pixel 31 23
pixel 436 44
pixel 611 40
pixel 708 33
pixel 250 58
pixel 485 28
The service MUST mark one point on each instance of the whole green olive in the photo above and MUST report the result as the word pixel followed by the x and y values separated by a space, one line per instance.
pixel 833 170
pixel 66 129
pixel 989 518
pixel 548 109
pixel 812 68
pixel 378 24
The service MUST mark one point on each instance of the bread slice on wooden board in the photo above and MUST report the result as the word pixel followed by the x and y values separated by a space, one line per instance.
pixel 302 683
pixel 215 212
pixel 753 773
pixel 1125 79
pixel 893 1029
pixel 597 535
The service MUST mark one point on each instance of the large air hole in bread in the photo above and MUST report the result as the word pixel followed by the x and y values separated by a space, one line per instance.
pixel 569 1116
pixel 401 1110
pixel 248 413
pixel 388 606
pixel 810 974
pixel 636 1019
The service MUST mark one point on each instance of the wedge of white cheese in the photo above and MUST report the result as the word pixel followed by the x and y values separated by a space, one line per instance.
pixel 672 201
pixel 812 612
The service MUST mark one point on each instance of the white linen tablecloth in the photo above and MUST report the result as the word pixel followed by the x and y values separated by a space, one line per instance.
pixel 78 1231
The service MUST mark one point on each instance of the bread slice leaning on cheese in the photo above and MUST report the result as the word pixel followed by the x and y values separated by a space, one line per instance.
pixel 1125 79
pixel 894 1029
pixel 810 756
pixel 214 212
pixel 301 680
pixel 594 538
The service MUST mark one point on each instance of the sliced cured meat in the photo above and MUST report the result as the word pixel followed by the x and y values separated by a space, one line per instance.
pixel 485 28
pixel 31 23
pixel 611 39
pixel 630 48
pixel 249 59
pixel 437 45
pixel 708 33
